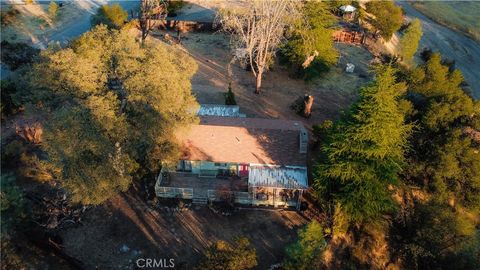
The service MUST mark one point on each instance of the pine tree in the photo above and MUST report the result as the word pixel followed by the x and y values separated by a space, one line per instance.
pixel 365 152
pixel 409 41
pixel 444 155
pixel 310 47
pixel 310 244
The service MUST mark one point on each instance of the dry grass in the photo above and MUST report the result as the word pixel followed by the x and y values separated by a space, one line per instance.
pixel 462 16
pixel 34 23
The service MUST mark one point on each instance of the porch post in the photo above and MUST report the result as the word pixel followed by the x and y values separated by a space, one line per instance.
pixel 298 200
pixel 253 193
pixel 274 197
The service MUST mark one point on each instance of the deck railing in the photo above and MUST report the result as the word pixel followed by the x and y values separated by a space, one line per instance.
pixel 171 192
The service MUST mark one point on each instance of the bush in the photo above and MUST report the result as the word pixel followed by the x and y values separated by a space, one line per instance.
pixel 310 244
pixel 53 9
pixel 113 16
pixel 316 69
pixel 223 255
pixel 9 16
pixel 230 96
pixel 17 54
pixel 174 6
pixel 8 89
pixel 321 131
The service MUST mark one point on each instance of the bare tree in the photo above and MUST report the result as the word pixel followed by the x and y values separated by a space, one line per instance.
pixel 257 30
pixel 150 12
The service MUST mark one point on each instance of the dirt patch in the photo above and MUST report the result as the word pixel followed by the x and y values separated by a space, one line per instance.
pixel 333 92
pixel 117 233
pixel 34 24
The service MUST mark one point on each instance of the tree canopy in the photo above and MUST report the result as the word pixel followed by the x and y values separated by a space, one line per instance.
pixel 310 43
pixel 112 107
pixel 302 254
pixel 444 155
pixel 365 152
pixel 410 39
pixel 112 16
pixel 387 19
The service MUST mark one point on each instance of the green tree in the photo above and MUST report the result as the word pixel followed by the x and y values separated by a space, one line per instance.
pixel 112 108
pixel 53 9
pixel 225 256
pixel 409 41
pixel 111 15
pixel 12 203
pixel 444 155
pixel 437 237
pixel 302 254
pixel 310 45
pixel 387 19
pixel 366 151
pixel 230 96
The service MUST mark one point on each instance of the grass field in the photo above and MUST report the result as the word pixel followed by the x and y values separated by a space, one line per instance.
pixel 463 16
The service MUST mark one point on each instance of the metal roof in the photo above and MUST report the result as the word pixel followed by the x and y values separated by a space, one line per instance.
pixel 219 110
pixel 277 176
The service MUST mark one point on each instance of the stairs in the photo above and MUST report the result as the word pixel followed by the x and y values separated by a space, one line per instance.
pixel 199 200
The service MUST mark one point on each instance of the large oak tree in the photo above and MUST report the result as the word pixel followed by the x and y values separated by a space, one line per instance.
pixel 109 108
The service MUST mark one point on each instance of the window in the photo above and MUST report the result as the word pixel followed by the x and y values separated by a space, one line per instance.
pixel 220 164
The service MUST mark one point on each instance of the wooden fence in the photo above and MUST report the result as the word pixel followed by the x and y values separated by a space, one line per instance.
pixel 348 36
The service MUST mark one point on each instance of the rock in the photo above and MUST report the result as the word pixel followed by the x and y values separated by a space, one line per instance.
pixel 350 68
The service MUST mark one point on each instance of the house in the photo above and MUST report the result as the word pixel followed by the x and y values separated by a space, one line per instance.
pixel 248 160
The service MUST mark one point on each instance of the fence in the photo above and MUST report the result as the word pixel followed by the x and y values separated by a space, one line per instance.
pixel 171 192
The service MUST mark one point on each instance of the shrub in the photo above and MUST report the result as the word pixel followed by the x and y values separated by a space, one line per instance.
pixel 230 96
pixel 321 131
pixel 223 255
pixel 53 9
pixel 16 55
pixel 174 6
pixel 8 17
pixel 113 16
pixel 310 243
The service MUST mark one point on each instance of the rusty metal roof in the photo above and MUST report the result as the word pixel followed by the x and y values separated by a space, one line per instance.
pixel 278 177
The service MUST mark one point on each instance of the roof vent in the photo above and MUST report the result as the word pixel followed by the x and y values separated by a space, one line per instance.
pixel 303 140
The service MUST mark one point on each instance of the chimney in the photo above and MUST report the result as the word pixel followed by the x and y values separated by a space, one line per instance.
pixel 303 138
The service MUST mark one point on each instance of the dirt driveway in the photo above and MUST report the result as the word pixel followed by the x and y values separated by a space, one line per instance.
pixel 116 234
pixel 452 45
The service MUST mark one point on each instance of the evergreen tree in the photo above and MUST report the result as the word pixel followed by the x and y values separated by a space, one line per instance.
pixel 312 37
pixel 365 152
pixel 444 155
pixel 302 254
pixel 112 108
pixel 409 41
pixel 387 19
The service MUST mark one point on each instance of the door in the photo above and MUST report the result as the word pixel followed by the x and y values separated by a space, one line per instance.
pixel 243 171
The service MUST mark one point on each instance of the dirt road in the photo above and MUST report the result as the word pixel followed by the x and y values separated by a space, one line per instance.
pixel 82 24
pixel 452 45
